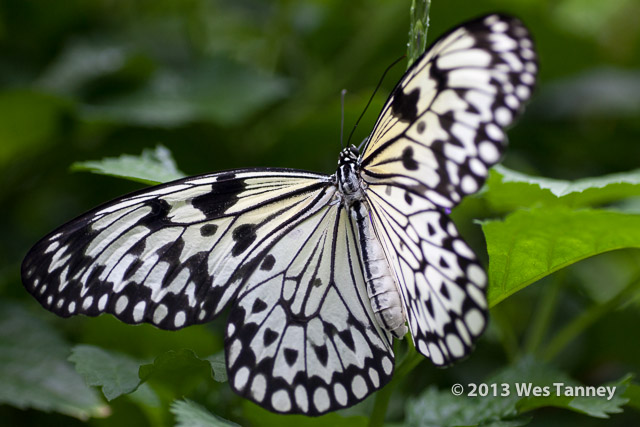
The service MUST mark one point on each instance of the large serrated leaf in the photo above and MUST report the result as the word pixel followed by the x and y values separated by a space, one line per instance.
pixel 529 245
pixel 151 167
pixel 509 190
pixel 34 372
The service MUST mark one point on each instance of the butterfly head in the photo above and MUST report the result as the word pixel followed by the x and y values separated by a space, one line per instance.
pixel 349 155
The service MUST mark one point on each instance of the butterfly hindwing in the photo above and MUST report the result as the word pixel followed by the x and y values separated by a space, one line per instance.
pixel 301 336
pixel 442 127
pixel 439 278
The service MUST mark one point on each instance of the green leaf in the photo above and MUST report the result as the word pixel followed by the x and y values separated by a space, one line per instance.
pixel 190 414
pixel 34 371
pixel 217 90
pixel 529 245
pixel 519 388
pixel 116 373
pixel 151 167
pixel 218 367
pixel 509 190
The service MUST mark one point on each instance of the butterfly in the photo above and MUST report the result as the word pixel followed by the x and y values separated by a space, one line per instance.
pixel 319 272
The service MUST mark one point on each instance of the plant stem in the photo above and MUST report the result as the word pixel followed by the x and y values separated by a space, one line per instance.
pixel 587 318
pixel 418 28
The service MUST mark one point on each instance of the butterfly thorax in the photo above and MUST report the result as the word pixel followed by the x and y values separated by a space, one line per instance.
pixel 381 286
pixel 348 179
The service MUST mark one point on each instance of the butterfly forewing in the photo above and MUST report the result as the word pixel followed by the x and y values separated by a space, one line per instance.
pixel 175 254
pixel 442 127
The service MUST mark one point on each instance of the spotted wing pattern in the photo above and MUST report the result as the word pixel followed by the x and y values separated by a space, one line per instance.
pixel 301 336
pixel 438 134
pixel 442 127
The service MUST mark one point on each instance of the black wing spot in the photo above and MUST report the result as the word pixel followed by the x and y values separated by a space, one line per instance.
pixel 158 215
pixel 269 336
pixel 430 229
pixel 347 338
pixel 407 159
pixel 421 127
pixel 408 198
pixel 439 76
pixel 223 195
pixel 323 354
pixel 132 268
pixel 444 263
pixel 317 282
pixel 208 230
pixel 258 306
pixel 405 107
pixel 268 263
pixel 444 291
pixel 429 305
pixel 290 355
pixel 244 235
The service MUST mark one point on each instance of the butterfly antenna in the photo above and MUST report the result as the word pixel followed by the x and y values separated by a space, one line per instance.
pixel 373 94
pixel 342 95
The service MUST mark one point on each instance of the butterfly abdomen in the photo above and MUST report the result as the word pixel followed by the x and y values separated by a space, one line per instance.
pixel 381 286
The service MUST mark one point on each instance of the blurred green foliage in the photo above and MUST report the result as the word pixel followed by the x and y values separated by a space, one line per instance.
pixel 226 84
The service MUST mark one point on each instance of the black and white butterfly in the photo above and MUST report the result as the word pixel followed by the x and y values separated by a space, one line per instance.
pixel 320 272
